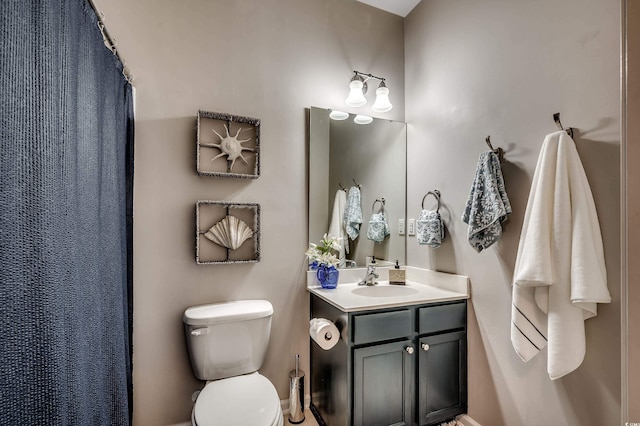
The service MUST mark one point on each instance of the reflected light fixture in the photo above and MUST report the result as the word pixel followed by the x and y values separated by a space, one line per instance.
pixel 363 119
pixel 358 88
pixel 338 115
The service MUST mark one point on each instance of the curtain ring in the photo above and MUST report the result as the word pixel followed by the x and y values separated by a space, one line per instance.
pixel 378 200
pixel 436 194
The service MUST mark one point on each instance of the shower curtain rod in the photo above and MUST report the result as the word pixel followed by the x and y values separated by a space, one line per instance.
pixel 110 42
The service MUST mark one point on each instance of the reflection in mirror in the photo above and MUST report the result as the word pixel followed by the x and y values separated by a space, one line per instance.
pixel 343 153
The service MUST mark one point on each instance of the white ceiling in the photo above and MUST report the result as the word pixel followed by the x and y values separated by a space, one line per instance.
pixel 398 7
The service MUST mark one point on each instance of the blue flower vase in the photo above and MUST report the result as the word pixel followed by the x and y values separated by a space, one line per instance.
pixel 327 276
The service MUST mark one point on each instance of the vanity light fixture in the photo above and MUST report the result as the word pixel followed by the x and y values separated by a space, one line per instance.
pixel 382 103
pixel 358 88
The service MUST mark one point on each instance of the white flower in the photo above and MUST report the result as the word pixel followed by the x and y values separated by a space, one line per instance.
pixel 324 252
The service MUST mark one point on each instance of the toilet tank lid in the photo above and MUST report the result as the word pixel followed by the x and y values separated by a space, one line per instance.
pixel 239 310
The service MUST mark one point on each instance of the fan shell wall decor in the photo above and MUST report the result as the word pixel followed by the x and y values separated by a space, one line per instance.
pixel 228 145
pixel 227 232
pixel 230 232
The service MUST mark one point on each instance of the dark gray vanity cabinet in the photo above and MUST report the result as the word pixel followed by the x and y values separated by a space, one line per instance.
pixel 442 377
pixel 396 366
pixel 383 384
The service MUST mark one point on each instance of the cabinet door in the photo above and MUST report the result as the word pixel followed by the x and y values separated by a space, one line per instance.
pixel 383 384
pixel 442 377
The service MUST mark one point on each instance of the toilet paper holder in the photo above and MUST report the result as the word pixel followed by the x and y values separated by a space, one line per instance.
pixel 324 332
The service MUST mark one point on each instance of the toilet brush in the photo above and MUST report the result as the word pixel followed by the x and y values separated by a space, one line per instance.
pixel 296 394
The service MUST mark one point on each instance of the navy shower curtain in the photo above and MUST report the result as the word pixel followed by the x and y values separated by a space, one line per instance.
pixel 66 143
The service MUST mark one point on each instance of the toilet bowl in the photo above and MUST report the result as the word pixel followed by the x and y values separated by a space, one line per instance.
pixel 238 401
pixel 227 345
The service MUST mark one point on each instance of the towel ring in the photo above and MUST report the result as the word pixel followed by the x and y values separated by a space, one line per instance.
pixel 436 194
pixel 378 200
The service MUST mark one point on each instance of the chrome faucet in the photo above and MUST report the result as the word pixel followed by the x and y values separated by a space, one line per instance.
pixel 371 275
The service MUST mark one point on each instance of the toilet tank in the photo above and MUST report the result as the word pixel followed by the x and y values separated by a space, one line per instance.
pixel 227 339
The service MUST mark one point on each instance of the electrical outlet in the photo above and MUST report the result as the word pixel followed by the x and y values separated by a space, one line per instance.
pixel 411 228
pixel 400 226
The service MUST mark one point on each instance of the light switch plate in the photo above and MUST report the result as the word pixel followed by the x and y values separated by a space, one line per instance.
pixel 400 226
pixel 411 227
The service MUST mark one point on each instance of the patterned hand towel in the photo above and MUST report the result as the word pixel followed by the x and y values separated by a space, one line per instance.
pixel 353 213
pixel 488 205
pixel 429 228
pixel 378 227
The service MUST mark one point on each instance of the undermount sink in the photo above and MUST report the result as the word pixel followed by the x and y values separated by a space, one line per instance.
pixel 384 291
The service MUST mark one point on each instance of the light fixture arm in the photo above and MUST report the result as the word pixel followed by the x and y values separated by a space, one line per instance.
pixel 368 76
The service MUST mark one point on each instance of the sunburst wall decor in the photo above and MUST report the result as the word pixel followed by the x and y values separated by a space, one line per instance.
pixel 228 145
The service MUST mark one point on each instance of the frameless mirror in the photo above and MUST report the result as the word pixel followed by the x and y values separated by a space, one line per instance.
pixel 342 154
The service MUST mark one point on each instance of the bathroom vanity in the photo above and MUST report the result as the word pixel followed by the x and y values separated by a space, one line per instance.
pixel 402 354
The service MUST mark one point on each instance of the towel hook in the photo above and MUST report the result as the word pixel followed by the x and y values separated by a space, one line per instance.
pixel 436 194
pixel 356 183
pixel 556 118
pixel 378 200
pixel 342 187
pixel 499 151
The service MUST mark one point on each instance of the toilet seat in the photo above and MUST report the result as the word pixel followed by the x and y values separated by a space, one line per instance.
pixel 242 400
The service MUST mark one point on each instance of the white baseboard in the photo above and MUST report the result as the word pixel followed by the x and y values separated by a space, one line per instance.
pixel 467 421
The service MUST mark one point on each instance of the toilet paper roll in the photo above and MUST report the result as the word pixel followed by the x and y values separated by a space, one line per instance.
pixel 324 333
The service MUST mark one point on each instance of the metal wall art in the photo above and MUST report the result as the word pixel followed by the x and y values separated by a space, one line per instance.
pixel 228 145
pixel 227 232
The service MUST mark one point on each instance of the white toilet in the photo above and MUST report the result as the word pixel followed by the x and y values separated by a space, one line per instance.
pixel 227 345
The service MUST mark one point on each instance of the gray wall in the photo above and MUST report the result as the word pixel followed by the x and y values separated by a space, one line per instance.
pixel 502 68
pixel 268 59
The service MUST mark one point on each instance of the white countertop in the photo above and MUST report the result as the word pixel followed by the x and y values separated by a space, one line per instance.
pixel 423 286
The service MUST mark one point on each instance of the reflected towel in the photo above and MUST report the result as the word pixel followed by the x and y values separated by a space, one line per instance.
pixel 336 228
pixel 378 227
pixel 353 213
pixel 429 228
pixel 488 205
pixel 560 272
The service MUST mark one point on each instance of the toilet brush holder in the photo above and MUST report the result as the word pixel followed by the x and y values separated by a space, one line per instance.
pixel 296 394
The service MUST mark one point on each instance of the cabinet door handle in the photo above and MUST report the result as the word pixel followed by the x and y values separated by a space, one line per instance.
pixel 409 349
pixel 425 347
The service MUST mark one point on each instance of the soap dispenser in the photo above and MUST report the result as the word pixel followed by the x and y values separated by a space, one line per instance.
pixel 397 275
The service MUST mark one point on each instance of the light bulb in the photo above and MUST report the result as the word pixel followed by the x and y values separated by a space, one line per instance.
pixel 363 119
pixel 382 103
pixel 356 93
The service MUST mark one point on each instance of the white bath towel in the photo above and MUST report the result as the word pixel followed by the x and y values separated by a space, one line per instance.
pixel 336 227
pixel 560 272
